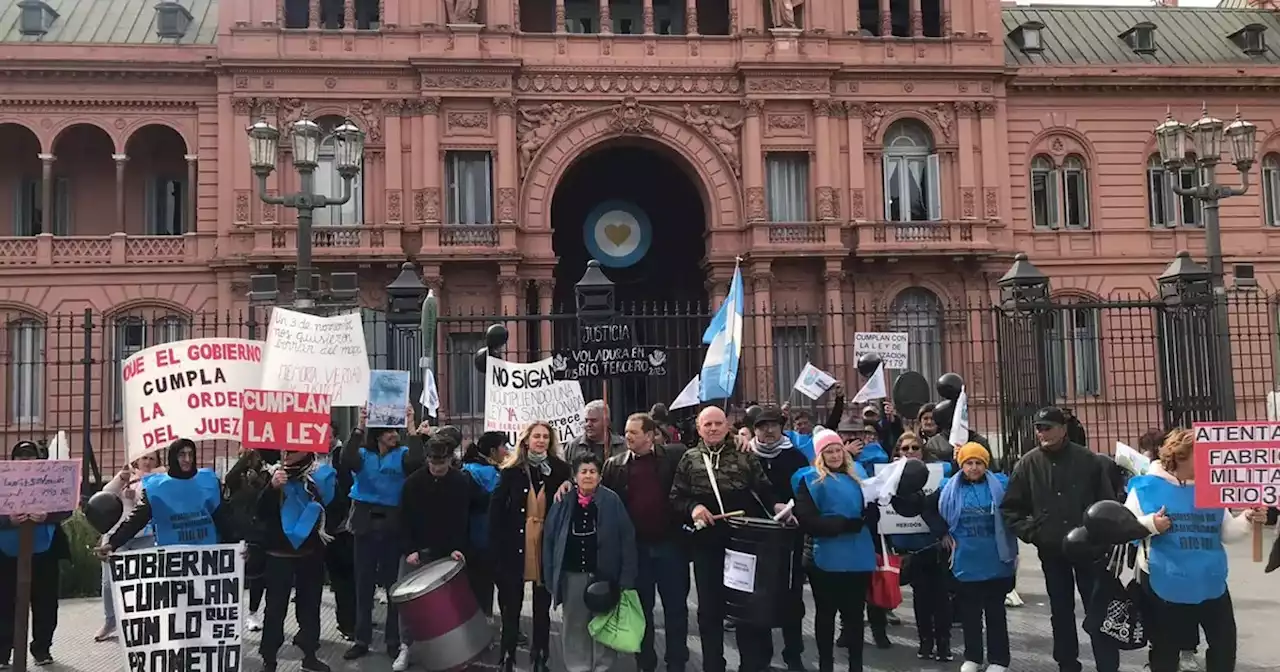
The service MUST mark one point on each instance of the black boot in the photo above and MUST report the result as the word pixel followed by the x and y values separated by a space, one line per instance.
pixel 925 652
pixel 508 662
pixel 541 661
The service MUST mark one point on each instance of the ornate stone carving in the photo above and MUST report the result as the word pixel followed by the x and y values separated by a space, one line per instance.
pixel 506 204
pixel 826 203
pixel 648 19
pixel 430 105
pixel 782 14
pixel 787 85
pixel 986 108
pixel 460 11
pixel 419 204
pixel 270 212
pixel 872 116
pixel 785 122
pixel 290 110
pixel 242 106
pixel 467 120
pixel 822 108
pixel 431 204
pixel 434 282
pixel 857 205
pixel 546 287
pixel 966 110
pixel 943 117
pixel 711 121
pixel 761 278
pixel 852 110
pixel 504 105
pixel 393 107
pixel 394 209
pixel 753 107
pixel 370 119
pixel 508 284
pixel 594 84
pixel 831 277
pixel 242 205
pixel 991 202
pixel 886 23
pixel 917 24
pixel 631 117
pixel 967 204
pixel 537 124
pixel 434 82
pixel 755 204
pixel 835 203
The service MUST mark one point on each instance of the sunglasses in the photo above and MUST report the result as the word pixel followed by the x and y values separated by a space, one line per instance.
pixel 913 449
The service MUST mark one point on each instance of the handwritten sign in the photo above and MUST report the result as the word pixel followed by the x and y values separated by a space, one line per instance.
pixel 39 486
pixel 891 522
pixel 890 345
pixel 518 394
pixel 179 607
pixel 286 421
pixel 187 390
pixel 324 355
pixel 631 360
pixel 1237 464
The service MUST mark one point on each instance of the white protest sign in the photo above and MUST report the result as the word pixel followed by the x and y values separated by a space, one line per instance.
pixel 739 571
pixel 517 394
pixel 187 390
pixel 891 522
pixel 179 607
pixel 813 382
pixel 326 355
pixel 890 345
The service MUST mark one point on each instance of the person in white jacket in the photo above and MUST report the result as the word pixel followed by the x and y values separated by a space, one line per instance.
pixel 1182 564
pixel 127 485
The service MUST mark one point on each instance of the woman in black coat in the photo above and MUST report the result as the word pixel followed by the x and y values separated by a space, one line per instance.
pixel 530 477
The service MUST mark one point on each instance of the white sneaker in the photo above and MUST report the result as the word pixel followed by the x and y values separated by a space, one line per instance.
pixel 1013 600
pixel 970 666
pixel 402 661
pixel 1187 662
pixel 381 596
pixel 252 622
pixel 997 668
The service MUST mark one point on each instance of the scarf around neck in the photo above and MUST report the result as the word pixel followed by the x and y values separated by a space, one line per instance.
pixel 539 461
pixel 771 450
pixel 584 498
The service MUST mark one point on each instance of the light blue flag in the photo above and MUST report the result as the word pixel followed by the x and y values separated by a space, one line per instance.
pixel 723 339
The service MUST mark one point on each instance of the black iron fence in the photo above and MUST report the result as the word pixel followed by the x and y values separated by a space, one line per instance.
pixel 1123 366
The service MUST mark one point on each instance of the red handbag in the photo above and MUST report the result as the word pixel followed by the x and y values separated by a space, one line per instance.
pixel 885 591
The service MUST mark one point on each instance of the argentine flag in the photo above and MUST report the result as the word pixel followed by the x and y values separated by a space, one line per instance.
pixel 723 339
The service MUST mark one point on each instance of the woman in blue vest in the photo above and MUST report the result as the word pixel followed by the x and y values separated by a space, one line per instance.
pixel 291 532
pixel 481 462
pixel 831 510
pixel 378 471
pixel 1183 567
pixel 983 555
pixel 183 505
pixel 51 547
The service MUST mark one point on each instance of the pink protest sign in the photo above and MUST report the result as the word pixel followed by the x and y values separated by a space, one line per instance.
pixel 39 486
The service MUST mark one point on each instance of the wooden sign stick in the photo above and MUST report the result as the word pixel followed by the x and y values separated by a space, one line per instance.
pixel 1257 542
pixel 22 596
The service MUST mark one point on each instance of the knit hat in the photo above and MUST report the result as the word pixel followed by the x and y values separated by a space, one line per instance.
pixel 973 451
pixel 823 437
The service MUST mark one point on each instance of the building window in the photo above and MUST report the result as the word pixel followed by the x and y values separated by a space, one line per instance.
pixel 166 206
pixel 912 174
pixel 1075 193
pixel 134 334
pixel 1271 189
pixel 1044 193
pixel 466 385
pixel 469 177
pixel 917 312
pixel 1067 184
pixel 28 201
pixel 25 363
pixel 787 182
pixel 1075 353
pixel 329 183
pixel 1165 208
pixel 793 347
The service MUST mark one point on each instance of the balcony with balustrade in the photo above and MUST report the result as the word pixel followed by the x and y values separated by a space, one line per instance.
pixel 955 238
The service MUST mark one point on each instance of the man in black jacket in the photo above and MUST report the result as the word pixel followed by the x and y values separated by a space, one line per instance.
pixel 1048 493
pixel 642 476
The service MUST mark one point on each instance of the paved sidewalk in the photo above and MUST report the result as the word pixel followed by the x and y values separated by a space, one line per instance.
pixel 1256 597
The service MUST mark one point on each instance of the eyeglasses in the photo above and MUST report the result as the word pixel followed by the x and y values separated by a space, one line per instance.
pixel 911 449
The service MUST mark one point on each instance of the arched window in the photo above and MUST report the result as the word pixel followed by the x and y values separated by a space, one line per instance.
pixel 1271 189
pixel 917 312
pixel 1165 208
pixel 134 333
pixel 912 188
pixel 26 361
pixel 1052 185
pixel 329 183
pixel 1075 351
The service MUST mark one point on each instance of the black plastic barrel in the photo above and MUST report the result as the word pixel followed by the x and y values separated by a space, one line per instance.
pixel 771 544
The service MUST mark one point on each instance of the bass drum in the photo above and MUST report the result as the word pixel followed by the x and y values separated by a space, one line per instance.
pixel 440 613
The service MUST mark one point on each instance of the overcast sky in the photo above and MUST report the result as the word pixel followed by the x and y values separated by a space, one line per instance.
pixel 1119 3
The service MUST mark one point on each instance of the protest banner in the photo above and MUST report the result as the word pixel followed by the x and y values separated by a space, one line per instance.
pixel 893 523
pixel 39 486
pixel 323 355
pixel 178 607
pixel 891 346
pixel 275 420
pixel 1237 466
pixel 187 390
pixel 518 394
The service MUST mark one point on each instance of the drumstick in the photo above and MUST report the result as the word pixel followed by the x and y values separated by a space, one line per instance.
pixel 731 514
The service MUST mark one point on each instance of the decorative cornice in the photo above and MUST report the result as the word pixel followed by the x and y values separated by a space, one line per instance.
pixel 92 104
pixel 655 82
pixel 99 71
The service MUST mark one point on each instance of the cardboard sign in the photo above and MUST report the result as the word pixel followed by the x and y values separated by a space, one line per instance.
pixel 893 523
pixel 39 486
pixel 325 355
pixel 890 345
pixel 1237 464
pixel 275 420
pixel 518 394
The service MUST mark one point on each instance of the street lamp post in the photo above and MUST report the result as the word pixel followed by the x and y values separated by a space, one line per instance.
pixel 1022 330
pixel 1203 154
pixel 348 145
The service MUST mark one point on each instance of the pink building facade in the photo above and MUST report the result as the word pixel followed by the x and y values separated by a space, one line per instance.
pixel 873 164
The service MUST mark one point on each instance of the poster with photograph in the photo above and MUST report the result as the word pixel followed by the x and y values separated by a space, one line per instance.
pixel 388 399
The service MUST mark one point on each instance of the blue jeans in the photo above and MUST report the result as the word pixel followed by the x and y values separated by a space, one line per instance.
pixel 664 567
pixel 108 596
pixel 377 559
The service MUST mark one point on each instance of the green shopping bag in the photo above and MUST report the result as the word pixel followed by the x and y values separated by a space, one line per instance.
pixel 623 628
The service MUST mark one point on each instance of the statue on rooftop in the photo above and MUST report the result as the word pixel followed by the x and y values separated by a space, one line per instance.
pixel 783 13
pixel 460 11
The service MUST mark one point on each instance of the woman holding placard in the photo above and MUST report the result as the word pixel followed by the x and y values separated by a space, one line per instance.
pixel 127 485
pixel 183 505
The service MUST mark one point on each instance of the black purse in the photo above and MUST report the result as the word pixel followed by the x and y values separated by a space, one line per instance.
pixel 1114 611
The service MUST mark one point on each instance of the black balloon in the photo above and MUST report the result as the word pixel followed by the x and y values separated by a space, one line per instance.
pixel 600 597
pixel 495 337
pixel 868 363
pixel 949 386
pixel 1110 522
pixel 753 412
pixel 943 412
pixel 914 476
pixel 481 359
pixel 1079 547
pixel 103 511
pixel 910 506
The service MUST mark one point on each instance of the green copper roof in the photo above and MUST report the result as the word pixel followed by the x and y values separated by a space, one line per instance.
pixel 131 22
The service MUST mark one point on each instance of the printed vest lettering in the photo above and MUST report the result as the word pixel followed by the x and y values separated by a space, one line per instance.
pixel 182 509
pixel 977 554
pixel 1187 564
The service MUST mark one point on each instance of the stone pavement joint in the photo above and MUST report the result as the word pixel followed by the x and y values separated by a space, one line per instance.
pixel 1255 596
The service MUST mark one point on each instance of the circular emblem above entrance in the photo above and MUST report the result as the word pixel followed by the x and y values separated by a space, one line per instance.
pixel 617 234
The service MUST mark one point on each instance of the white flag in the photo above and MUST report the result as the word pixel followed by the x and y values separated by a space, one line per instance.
pixel 60 447
pixel 874 389
pixel 430 398
pixel 813 382
pixel 688 396
pixel 960 420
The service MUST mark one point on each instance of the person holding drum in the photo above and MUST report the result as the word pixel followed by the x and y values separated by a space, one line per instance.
pixel 291 522
pixel 530 476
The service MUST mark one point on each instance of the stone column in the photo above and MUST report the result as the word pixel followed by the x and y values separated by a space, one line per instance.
pixel 917 20
pixel 546 292
pixel 47 219
pixel 509 299
pixel 823 158
pixel 964 137
pixel 606 21
pixel 762 303
pixel 121 160
pixel 647 14
pixel 349 14
pixel 193 176
pixel 508 180
pixel 832 276
pixel 560 17
pixel 990 156
pixel 393 175
pixel 753 161
pixel 690 17
pixel 431 159
pixel 313 14
pixel 886 19
pixel 856 162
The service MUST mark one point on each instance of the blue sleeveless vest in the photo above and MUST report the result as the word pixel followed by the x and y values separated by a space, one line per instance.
pixel 486 476
pixel 839 495
pixel 381 478
pixel 1187 564
pixel 977 554
pixel 299 511
pixel 43 538
pixel 182 509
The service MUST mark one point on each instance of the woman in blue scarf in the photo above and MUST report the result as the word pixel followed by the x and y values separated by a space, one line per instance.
pixel 983 556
